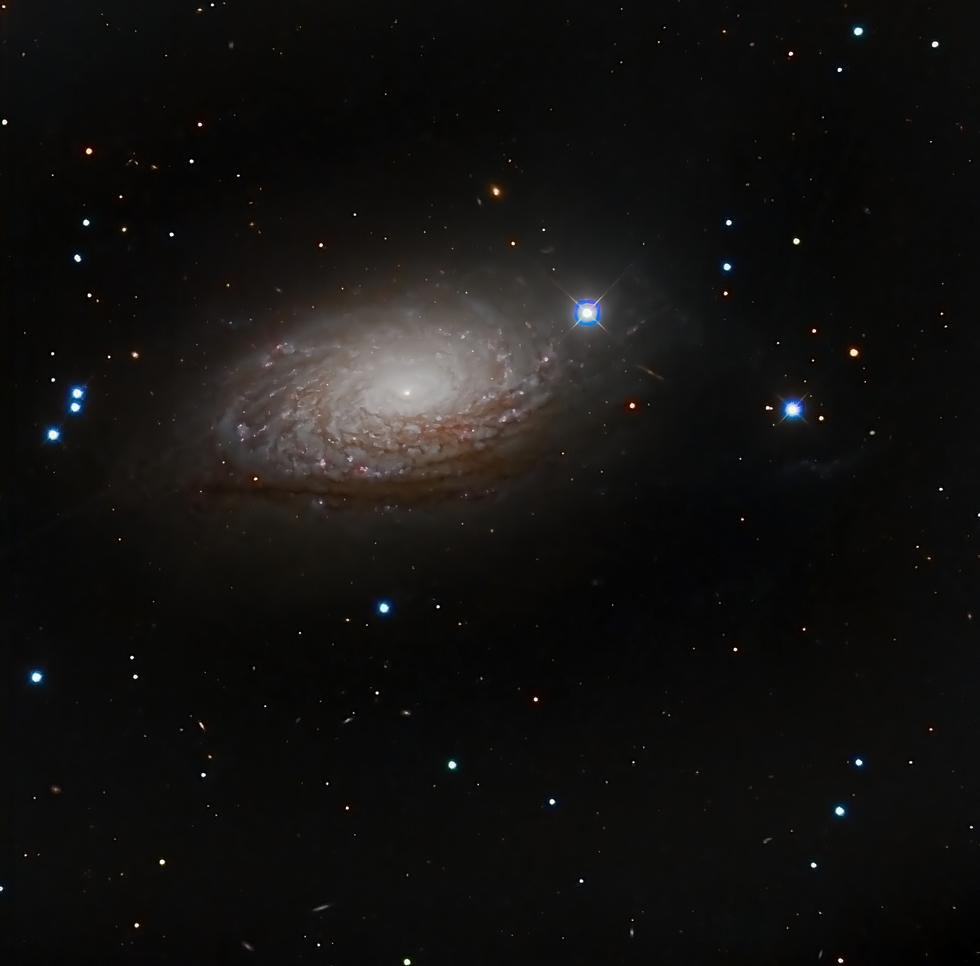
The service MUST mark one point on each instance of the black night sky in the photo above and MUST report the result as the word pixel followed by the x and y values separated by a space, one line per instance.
pixel 365 603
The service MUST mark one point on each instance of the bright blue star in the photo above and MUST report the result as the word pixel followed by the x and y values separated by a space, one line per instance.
pixel 384 607
pixel 726 266
pixel 839 811
pixel 451 765
pixel 36 677
pixel 858 762
pixel 587 312
pixel 53 435
pixel 75 407
pixel 77 392
pixel 858 31
pixel 792 409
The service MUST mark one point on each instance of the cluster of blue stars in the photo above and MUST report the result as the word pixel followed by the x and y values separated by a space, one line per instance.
pixel 76 400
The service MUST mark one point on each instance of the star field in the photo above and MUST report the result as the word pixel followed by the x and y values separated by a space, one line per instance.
pixel 489 486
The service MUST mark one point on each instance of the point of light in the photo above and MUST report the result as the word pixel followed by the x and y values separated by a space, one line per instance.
pixel 858 762
pixel 728 223
pixel 451 765
pixel 587 312
pixel 839 811
pixel 793 409
pixel 858 31
pixel 813 865
pixel 384 607
pixel 935 44
pixel 551 801
pixel 53 435
pixel 796 240
pixel 726 266
pixel 76 258
pixel 77 392
pixel 36 677
pixel 75 407
pixel 86 223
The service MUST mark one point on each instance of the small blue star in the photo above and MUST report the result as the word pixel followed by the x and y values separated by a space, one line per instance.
pixel 839 811
pixel 77 392
pixel 75 407
pixel 384 607
pixel 451 765
pixel 858 31
pixel 858 762
pixel 36 677
pixel 726 266
pixel 53 435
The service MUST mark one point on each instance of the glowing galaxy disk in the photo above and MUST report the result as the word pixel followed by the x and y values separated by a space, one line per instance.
pixel 410 397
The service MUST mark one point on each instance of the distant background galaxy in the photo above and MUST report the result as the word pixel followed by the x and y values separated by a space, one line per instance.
pixel 361 606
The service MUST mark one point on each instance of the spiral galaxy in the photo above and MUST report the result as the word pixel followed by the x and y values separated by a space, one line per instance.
pixel 429 393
